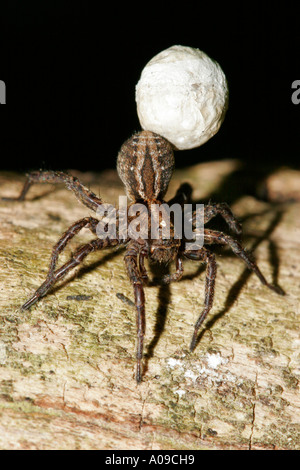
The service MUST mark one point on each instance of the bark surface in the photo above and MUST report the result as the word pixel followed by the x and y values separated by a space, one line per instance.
pixel 67 366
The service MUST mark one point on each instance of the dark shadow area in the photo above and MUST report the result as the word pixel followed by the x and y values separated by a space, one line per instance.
pixel 248 179
pixel 164 298
pixel 32 198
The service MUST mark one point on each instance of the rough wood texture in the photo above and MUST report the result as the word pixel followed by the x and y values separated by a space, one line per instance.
pixel 67 366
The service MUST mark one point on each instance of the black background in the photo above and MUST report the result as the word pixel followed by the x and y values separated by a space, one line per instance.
pixel 71 68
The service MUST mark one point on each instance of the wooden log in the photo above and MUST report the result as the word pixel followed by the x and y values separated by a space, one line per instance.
pixel 67 366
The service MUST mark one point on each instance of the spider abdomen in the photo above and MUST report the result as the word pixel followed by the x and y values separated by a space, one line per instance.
pixel 145 165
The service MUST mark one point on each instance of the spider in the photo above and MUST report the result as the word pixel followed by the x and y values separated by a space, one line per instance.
pixel 145 165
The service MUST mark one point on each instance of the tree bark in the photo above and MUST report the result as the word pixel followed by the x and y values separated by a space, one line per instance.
pixel 67 366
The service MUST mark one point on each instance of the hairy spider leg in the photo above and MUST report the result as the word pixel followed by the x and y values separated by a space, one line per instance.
pixel 211 270
pixel 83 194
pixel 133 253
pixel 77 258
pixel 214 236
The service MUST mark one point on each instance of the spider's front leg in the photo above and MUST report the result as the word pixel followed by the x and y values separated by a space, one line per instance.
pixel 134 260
pixel 211 270
pixel 83 194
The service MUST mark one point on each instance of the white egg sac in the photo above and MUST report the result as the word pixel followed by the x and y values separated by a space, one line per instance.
pixel 183 96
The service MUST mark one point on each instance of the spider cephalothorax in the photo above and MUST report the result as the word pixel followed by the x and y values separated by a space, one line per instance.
pixel 145 165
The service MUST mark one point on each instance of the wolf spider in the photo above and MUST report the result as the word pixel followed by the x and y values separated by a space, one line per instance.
pixel 145 165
